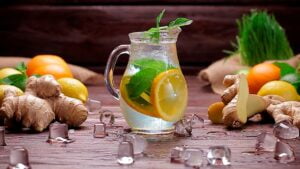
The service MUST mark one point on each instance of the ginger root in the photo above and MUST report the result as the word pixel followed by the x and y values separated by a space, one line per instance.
pixel 41 104
pixel 282 110
pixel 239 104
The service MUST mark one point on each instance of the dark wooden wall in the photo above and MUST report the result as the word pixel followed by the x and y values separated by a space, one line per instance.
pixel 84 32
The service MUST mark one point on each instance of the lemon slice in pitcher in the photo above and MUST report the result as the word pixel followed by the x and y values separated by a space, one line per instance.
pixel 169 95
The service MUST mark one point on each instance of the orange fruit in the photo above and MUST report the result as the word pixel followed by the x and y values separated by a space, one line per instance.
pixel 260 74
pixel 58 71
pixel 43 60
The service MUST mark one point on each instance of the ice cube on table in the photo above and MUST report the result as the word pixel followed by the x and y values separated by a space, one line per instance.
pixel 139 143
pixel 18 158
pixel 58 132
pixel 283 153
pixel 183 128
pixel 177 155
pixel 2 136
pixel 196 121
pixel 93 105
pixel 107 117
pixel 219 155
pixel 99 130
pixel 125 153
pixel 265 142
pixel 285 130
pixel 193 157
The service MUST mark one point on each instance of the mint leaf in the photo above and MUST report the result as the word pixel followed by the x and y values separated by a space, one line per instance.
pixel 180 22
pixel 154 33
pixel 285 68
pixel 18 80
pixel 21 67
pixel 140 82
pixel 151 63
pixel 158 18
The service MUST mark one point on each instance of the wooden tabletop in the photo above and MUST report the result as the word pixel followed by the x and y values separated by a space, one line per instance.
pixel 88 152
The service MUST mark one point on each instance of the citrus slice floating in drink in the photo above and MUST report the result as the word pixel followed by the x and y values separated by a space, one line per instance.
pixel 169 95
pixel 138 105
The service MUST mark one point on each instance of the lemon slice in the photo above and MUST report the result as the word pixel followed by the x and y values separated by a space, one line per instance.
pixel 138 105
pixel 169 95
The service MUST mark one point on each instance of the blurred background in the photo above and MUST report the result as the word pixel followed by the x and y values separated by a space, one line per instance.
pixel 84 32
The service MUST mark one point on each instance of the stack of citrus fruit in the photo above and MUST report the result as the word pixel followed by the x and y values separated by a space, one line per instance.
pixel 48 64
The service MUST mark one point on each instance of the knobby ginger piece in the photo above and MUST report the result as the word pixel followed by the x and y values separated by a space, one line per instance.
pixel 41 104
pixel 29 110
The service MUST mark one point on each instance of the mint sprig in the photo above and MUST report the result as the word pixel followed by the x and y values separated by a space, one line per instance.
pixel 154 33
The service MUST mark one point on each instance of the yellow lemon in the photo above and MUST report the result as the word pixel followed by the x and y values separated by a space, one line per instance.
pixel 73 88
pixel 280 88
pixel 4 72
pixel 5 87
pixel 169 95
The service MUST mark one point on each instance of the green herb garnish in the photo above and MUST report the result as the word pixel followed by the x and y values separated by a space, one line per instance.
pixel 261 38
pixel 142 80
pixel 154 33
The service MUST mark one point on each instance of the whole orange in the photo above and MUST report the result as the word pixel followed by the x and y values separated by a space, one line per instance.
pixel 43 60
pixel 57 71
pixel 261 74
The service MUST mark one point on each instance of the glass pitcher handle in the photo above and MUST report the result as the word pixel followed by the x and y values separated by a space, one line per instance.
pixel 110 66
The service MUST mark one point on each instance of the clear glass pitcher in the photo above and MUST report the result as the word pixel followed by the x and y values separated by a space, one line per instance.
pixel 153 91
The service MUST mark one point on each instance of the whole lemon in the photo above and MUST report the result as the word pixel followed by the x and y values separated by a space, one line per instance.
pixel 5 87
pixel 4 72
pixel 280 88
pixel 73 88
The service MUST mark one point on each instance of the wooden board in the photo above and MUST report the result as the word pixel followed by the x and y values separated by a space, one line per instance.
pixel 85 35
pixel 91 153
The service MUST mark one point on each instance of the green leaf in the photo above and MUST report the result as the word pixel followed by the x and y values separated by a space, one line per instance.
pixel 21 67
pixel 285 68
pixel 18 80
pixel 180 22
pixel 154 33
pixel 151 63
pixel 159 17
pixel 140 82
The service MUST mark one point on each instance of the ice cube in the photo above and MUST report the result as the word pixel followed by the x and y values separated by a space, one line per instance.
pixel 193 157
pixel 2 136
pixel 196 121
pixel 183 128
pixel 58 132
pixel 177 155
pixel 99 130
pixel 18 158
pixel 125 153
pixel 283 153
pixel 285 130
pixel 139 143
pixel 219 155
pixel 93 105
pixel 107 117
pixel 265 142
